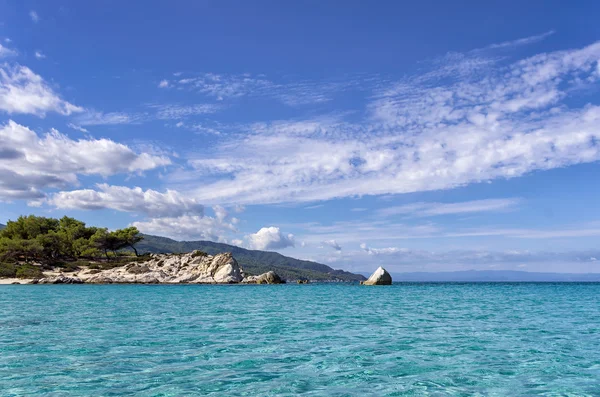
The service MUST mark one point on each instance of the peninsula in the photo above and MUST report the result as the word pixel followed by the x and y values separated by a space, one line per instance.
pixel 48 250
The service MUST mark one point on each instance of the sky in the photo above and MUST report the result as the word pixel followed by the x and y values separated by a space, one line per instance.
pixel 423 136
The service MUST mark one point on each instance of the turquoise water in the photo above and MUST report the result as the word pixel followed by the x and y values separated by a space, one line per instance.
pixel 313 340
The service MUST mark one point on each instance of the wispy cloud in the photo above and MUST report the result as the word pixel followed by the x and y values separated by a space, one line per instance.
pixel 291 93
pixel 93 117
pixel 179 111
pixel 313 207
pixel 76 127
pixel 423 209
pixel 420 134
pixel 39 55
pixel 522 41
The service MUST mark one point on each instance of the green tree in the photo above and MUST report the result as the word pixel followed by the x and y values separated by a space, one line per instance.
pixel 54 244
pixel 100 240
pixel 16 249
pixel 130 236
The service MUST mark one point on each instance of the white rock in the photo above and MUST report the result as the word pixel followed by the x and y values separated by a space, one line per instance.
pixel 194 267
pixel 379 277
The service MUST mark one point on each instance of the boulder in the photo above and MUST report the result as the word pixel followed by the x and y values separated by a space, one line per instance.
pixel 266 278
pixel 379 277
pixel 138 269
pixel 60 280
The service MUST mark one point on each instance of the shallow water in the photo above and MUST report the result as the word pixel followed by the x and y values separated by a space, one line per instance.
pixel 313 340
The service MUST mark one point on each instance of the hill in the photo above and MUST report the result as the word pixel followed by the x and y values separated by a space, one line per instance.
pixel 252 261
pixel 495 276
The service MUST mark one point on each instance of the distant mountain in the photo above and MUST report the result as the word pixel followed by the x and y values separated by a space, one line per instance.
pixel 2 226
pixel 253 261
pixel 495 276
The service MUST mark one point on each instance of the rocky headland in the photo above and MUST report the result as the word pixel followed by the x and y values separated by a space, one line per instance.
pixel 192 268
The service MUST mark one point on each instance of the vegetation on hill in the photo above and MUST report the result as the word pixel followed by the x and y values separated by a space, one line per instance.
pixel 253 261
pixel 51 242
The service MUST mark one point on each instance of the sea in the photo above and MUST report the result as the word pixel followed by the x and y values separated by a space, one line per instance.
pixel 408 339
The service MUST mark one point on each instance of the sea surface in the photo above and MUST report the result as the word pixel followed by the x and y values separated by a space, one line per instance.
pixel 408 339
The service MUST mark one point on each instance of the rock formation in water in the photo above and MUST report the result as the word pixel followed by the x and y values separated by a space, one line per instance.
pixel 379 277
pixel 265 278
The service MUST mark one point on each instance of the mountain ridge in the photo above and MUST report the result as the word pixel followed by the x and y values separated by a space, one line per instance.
pixel 253 261
pixel 495 276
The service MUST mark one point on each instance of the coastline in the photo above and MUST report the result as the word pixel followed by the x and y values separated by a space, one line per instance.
pixel 9 281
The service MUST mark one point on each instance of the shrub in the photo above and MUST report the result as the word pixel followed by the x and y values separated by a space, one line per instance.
pixel 29 271
pixel 198 253
pixel 68 266
pixel 8 270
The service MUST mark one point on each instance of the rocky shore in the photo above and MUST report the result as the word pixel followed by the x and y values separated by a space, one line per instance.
pixel 192 268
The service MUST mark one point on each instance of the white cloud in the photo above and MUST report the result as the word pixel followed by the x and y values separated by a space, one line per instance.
pixel 6 52
pixel 29 162
pixel 188 227
pixel 331 243
pixel 39 55
pixel 423 133
pixel 163 84
pixel 122 198
pixel 34 16
pixel 22 91
pixel 270 238
pixel 465 207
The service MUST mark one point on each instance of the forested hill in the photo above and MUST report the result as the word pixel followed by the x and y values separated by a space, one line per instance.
pixel 253 262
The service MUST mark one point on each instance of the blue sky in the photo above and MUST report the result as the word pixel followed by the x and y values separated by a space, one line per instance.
pixel 428 136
